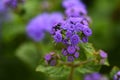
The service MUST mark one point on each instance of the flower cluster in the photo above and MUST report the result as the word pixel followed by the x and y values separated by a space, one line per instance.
pixel 117 76
pixel 39 25
pixel 73 30
pixel 13 3
pixel 51 59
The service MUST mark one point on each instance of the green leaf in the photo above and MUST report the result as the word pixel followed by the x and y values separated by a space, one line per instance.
pixel 89 68
pixel 57 71
pixel 88 49
pixel 27 52
pixel 106 63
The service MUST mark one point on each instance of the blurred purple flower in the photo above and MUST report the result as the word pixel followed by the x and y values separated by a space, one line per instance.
pixel 103 54
pixel 42 23
pixel 75 39
pixel 71 3
pixel 76 11
pixel 48 57
pixel 71 49
pixel 53 62
pixel 117 76
pixel 76 55
pixel 70 58
pixel 93 76
pixel 58 37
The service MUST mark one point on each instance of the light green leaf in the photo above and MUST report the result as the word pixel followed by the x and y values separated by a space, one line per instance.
pixel 57 71
pixel 89 68
pixel 88 49
pixel 27 52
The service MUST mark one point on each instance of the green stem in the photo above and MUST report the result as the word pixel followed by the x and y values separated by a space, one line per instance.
pixel 70 77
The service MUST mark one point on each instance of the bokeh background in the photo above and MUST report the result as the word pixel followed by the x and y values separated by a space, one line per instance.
pixel 18 55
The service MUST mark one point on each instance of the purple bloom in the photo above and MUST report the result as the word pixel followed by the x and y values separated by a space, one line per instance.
pixel 64 25
pixel 93 76
pixel 48 57
pixel 76 11
pixel 58 37
pixel 88 77
pixel 71 3
pixel 70 58
pixel 4 14
pixel 96 76
pixel 71 49
pixel 42 23
pixel 68 34
pixel 53 62
pixel 36 33
pixel 87 31
pixel 77 47
pixel 65 41
pixel 85 22
pixel 103 54
pixel 11 3
pixel 35 29
pixel 74 20
pixel 117 76
pixel 76 55
pixel 56 18
pixel 75 39
pixel 79 27
pixel 71 27
pixel 64 52
pixel 85 39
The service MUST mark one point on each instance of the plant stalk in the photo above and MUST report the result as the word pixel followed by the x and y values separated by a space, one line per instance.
pixel 70 77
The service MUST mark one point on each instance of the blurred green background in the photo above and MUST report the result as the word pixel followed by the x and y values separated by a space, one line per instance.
pixel 18 54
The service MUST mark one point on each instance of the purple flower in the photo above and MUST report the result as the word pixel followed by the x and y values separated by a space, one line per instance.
pixel 79 27
pixel 75 11
pixel 56 18
pixel 4 14
pixel 96 76
pixel 77 47
pixel 43 23
pixel 68 34
pixel 48 57
pixel 53 62
pixel 103 54
pixel 11 3
pixel 85 39
pixel 93 76
pixel 71 3
pixel 85 22
pixel 64 52
pixel 117 76
pixel 71 49
pixel 64 25
pixel 87 31
pixel 36 33
pixel 70 27
pixel 74 20
pixel 35 29
pixel 65 41
pixel 58 37
pixel 75 39
pixel 76 55
pixel 70 58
